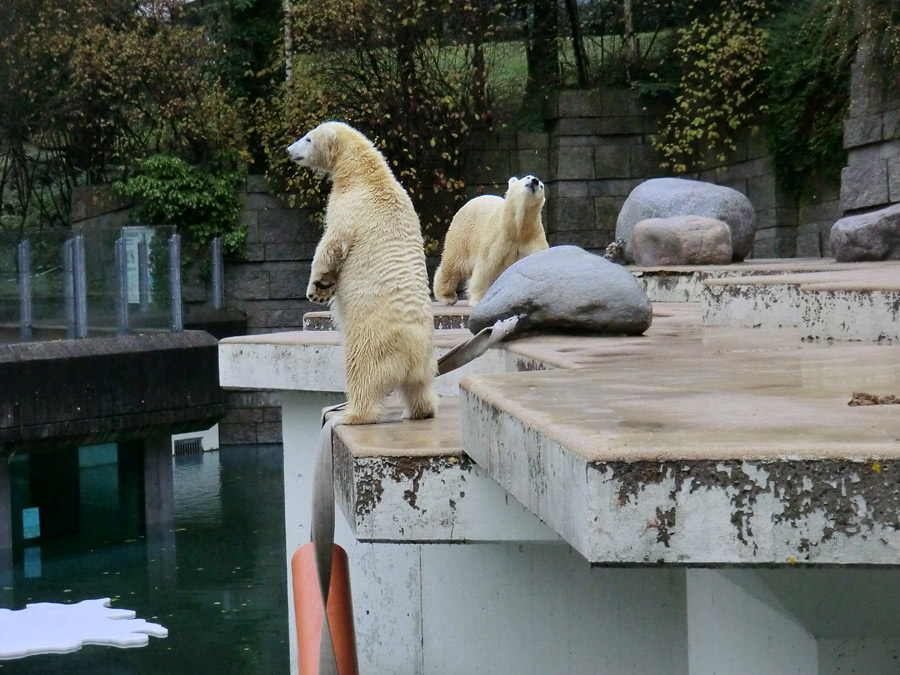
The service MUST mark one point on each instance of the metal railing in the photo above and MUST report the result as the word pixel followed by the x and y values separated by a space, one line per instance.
pixel 56 284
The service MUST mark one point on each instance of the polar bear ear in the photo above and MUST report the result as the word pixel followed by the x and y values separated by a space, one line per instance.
pixel 513 181
pixel 327 135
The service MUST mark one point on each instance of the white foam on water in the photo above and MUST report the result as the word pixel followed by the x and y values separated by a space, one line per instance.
pixel 53 628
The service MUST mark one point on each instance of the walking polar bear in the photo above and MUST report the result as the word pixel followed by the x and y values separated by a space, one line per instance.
pixel 370 266
pixel 487 235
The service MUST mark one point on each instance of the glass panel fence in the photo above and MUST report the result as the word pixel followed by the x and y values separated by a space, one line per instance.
pixel 86 284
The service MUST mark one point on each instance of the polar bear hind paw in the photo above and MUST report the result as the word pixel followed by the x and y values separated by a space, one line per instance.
pixel 447 299
pixel 352 417
pixel 420 403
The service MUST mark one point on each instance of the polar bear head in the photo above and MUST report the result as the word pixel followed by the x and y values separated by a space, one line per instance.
pixel 333 146
pixel 317 150
pixel 527 194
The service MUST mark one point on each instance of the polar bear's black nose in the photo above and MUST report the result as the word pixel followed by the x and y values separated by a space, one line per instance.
pixel 533 183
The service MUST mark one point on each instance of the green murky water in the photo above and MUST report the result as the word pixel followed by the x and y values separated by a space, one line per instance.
pixel 217 582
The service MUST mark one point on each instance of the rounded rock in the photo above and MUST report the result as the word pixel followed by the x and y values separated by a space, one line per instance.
pixel 565 289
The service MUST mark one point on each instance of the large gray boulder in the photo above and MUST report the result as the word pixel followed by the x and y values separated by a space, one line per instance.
pixel 565 289
pixel 666 197
pixel 869 236
pixel 681 240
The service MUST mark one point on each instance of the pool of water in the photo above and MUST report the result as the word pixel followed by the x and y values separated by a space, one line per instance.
pixel 216 581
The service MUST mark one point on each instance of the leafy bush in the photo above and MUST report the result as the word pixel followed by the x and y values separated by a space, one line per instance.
pixel 812 47
pixel 722 72
pixel 88 89
pixel 201 202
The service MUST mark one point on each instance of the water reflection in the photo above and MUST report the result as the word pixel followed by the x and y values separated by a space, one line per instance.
pixel 217 582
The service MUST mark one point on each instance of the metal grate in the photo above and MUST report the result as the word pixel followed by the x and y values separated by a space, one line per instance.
pixel 188 446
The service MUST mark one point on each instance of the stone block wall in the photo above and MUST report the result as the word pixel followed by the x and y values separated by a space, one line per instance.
pixel 269 284
pixel 269 287
pixel 600 150
pixel 871 179
pixel 597 148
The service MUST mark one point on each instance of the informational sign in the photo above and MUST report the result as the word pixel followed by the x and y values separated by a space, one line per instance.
pixel 133 236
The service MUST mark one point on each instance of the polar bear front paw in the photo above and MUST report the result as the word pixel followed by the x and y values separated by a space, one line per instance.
pixel 320 291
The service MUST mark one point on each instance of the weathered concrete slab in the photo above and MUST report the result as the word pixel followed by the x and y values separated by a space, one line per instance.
pixel 410 481
pixel 71 392
pixel 684 283
pixel 712 451
pixel 312 361
pixel 856 302
pixel 395 482
pixel 446 317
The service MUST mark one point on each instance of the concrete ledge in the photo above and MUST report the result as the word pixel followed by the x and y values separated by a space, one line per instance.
pixel 314 361
pixel 98 389
pixel 411 482
pixel 858 302
pixel 446 317
pixel 685 283
pixel 705 453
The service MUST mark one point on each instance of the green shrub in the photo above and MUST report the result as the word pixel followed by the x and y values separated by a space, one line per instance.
pixel 201 202
pixel 722 69
pixel 811 49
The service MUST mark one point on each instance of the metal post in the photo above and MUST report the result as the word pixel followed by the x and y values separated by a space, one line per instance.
pixel 218 274
pixel 80 279
pixel 69 286
pixel 144 274
pixel 122 295
pixel 26 319
pixel 175 282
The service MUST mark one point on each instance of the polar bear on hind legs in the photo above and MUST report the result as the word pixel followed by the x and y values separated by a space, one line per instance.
pixel 370 266
pixel 487 235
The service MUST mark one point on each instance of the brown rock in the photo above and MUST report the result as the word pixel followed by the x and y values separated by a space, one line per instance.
pixel 681 240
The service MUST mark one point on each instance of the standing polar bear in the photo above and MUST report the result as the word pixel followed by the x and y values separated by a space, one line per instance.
pixel 487 235
pixel 370 266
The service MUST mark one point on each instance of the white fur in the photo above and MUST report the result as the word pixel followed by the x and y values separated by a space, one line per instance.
pixel 487 235
pixel 370 266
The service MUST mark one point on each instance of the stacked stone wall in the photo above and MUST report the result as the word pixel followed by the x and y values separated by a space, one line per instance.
pixel 871 179
pixel 597 148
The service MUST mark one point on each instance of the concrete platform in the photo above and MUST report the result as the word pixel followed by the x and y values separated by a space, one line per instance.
pixel 689 445
pixel 307 361
pixel 685 283
pixel 695 446
pixel 704 490
pixel 410 481
pixel 856 301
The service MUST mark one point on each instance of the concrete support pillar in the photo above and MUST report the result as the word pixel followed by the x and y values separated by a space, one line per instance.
pixel 159 491
pixel 6 553
pixel 55 487
pixel 381 575
pixel 736 625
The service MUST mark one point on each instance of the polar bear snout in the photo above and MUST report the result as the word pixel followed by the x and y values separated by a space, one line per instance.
pixel 299 151
pixel 533 184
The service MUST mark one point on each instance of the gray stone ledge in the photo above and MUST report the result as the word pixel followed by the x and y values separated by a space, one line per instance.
pixel 726 460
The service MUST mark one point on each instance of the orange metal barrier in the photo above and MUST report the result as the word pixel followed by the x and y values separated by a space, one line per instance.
pixel 308 611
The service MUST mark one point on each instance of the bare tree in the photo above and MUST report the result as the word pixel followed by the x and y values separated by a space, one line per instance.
pixel 630 40
pixel 581 59
pixel 541 46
